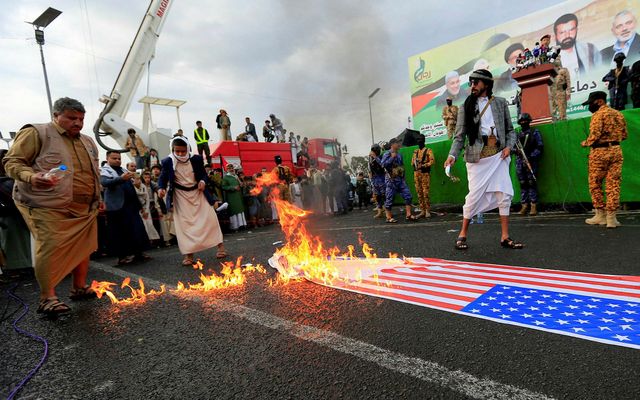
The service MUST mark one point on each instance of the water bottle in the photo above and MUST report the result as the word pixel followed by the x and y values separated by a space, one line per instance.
pixel 57 173
pixel 480 219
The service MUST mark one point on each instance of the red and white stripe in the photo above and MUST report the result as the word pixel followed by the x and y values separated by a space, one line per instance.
pixel 451 285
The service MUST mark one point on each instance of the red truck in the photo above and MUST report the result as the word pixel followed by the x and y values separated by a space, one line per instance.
pixel 253 156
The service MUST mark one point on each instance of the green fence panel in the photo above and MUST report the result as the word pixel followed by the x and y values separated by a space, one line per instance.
pixel 562 175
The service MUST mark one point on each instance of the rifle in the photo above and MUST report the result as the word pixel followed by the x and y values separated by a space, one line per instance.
pixel 524 157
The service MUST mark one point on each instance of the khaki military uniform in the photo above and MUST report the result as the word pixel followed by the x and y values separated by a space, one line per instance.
pixel 284 174
pixel 560 90
pixel 606 131
pixel 422 161
pixel 450 117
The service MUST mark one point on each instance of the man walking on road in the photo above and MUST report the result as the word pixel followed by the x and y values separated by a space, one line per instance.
pixel 487 136
pixel 60 211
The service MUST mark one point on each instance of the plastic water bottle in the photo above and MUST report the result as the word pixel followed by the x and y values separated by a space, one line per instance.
pixel 57 172
pixel 480 219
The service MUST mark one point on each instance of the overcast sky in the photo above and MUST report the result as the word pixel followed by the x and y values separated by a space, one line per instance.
pixel 312 63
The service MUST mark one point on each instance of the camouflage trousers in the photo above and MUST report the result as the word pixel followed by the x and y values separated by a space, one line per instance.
pixel 560 105
pixel 422 181
pixel 605 163
pixel 451 129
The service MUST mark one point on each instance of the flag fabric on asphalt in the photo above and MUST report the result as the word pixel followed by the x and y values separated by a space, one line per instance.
pixel 598 307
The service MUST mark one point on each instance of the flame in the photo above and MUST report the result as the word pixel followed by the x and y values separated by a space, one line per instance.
pixel 232 274
pixel 137 295
pixel 303 254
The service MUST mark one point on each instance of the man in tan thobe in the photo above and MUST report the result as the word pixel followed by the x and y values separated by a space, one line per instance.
pixel 60 211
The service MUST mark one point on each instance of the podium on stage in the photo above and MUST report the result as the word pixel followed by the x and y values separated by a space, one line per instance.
pixel 535 84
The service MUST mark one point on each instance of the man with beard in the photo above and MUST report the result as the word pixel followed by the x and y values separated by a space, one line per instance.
pixel 505 82
pixel 577 57
pixel 627 41
pixel 453 92
pixel 487 136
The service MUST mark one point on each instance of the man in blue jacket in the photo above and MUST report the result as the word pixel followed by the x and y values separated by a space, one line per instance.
pixel 127 235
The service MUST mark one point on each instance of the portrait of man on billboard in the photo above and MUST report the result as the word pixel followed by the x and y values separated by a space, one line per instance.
pixel 578 57
pixel 627 41
pixel 453 90
pixel 505 82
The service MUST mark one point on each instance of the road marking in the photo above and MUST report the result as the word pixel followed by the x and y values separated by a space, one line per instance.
pixel 427 371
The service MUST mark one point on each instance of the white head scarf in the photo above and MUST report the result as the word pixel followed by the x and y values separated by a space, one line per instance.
pixel 177 159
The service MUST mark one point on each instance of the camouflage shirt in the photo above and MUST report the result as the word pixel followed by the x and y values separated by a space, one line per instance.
pixel 562 82
pixel 450 114
pixel 607 125
pixel 422 159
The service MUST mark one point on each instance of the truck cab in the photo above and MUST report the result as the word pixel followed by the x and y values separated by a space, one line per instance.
pixel 253 156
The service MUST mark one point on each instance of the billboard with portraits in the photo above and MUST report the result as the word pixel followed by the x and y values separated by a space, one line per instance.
pixel 589 32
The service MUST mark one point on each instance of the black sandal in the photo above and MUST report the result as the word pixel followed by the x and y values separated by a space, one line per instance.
pixel 52 307
pixel 84 293
pixel 461 243
pixel 509 243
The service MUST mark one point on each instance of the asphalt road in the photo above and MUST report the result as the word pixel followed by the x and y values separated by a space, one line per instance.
pixel 303 340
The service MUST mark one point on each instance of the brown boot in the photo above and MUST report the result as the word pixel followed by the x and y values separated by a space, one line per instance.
pixel 524 209
pixel 598 219
pixel 534 209
pixel 612 222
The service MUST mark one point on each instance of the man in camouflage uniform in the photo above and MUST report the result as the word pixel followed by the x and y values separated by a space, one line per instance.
pixel 285 176
pixel 392 162
pixel 377 179
pixel 450 116
pixel 607 129
pixel 422 161
pixel 561 90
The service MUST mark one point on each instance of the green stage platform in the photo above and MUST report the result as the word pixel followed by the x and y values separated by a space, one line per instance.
pixel 562 177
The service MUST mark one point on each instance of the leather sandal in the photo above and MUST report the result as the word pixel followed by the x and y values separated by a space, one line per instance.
pixel 83 293
pixel 511 244
pixel 52 307
pixel 187 261
pixel 461 243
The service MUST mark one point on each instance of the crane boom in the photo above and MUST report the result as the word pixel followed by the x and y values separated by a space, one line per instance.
pixel 140 53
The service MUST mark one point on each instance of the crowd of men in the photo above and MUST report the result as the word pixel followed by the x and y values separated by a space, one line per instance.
pixel 85 209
